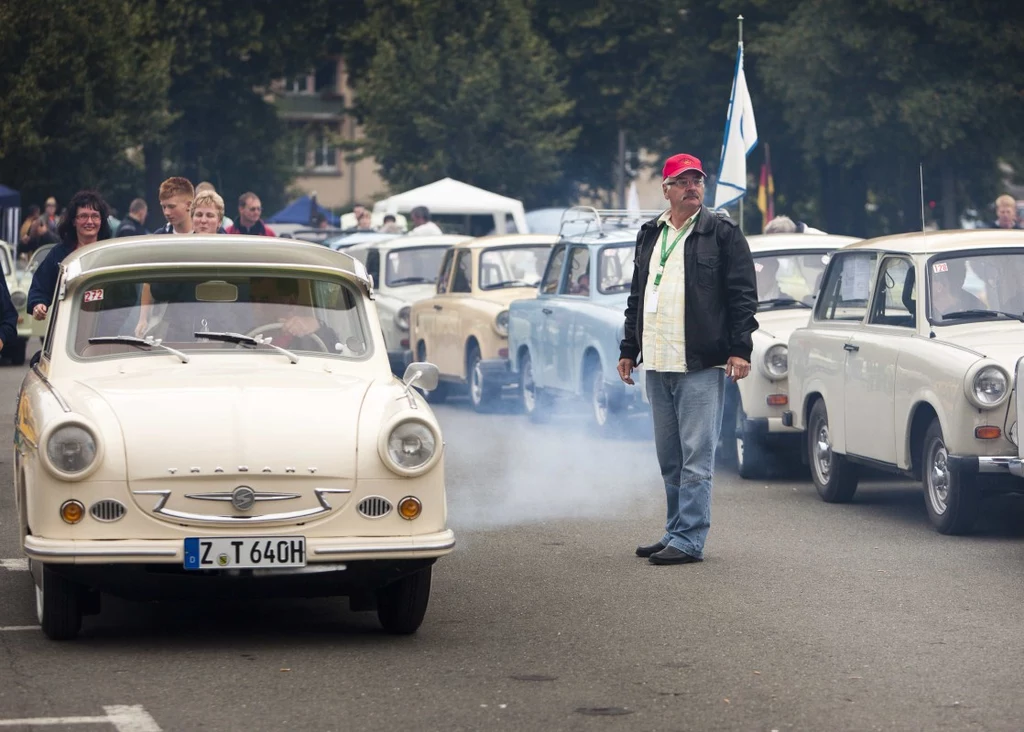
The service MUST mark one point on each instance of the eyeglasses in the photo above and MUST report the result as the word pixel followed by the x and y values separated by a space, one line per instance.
pixel 685 182
pixel 88 217
pixel 255 208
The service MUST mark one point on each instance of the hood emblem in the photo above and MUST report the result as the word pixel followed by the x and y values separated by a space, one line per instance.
pixel 243 498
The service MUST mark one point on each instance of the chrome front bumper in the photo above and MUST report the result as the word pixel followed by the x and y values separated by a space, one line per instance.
pixel 988 465
pixel 172 551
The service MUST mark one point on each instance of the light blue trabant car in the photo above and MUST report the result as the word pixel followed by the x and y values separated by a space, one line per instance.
pixel 565 343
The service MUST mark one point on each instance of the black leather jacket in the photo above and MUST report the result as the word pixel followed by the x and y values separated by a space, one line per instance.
pixel 721 292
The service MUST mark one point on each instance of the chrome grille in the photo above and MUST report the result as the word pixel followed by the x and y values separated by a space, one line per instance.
pixel 374 507
pixel 107 510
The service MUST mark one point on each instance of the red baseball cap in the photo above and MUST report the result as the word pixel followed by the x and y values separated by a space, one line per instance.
pixel 679 164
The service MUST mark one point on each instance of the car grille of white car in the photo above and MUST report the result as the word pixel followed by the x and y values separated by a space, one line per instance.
pixel 374 507
pixel 107 510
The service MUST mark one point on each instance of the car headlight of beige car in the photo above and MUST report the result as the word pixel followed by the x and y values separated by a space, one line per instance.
pixel 409 447
pixel 19 299
pixel 71 450
pixel 501 323
pixel 776 362
pixel 987 385
pixel 402 318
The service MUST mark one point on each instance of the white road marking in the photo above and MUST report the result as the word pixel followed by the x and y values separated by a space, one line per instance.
pixel 4 628
pixel 14 565
pixel 123 718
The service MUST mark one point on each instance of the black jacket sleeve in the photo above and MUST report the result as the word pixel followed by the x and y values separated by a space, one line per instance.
pixel 44 281
pixel 741 293
pixel 8 316
pixel 630 345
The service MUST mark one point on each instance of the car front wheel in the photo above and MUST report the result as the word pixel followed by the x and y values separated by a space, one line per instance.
pixel 952 499
pixel 434 396
pixel 58 605
pixel 834 475
pixel 750 452
pixel 606 400
pixel 481 394
pixel 536 402
pixel 402 605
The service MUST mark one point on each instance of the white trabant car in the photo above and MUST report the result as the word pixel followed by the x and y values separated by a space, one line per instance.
pixel 404 271
pixel 254 442
pixel 18 281
pixel 912 363
pixel 789 268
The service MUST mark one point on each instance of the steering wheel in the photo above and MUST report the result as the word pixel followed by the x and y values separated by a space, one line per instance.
pixel 280 326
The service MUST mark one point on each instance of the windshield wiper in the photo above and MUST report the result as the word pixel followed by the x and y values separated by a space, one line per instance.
pixel 511 283
pixel 147 342
pixel 978 312
pixel 411 281
pixel 784 302
pixel 245 340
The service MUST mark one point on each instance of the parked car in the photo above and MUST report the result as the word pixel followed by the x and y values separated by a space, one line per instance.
pixel 343 241
pixel 258 444
pixel 912 363
pixel 564 344
pixel 404 270
pixel 317 236
pixel 463 328
pixel 789 269
pixel 18 282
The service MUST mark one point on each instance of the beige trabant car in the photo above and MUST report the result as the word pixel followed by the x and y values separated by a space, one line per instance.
pixel 18 282
pixel 255 442
pixel 404 271
pixel 912 363
pixel 463 328
pixel 789 268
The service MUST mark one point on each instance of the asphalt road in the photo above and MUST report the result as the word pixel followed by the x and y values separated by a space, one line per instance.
pixel 804 616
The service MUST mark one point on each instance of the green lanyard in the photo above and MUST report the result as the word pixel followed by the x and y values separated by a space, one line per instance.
pixel 666 253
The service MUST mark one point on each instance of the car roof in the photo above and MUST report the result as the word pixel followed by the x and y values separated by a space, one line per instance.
pixel 934 242
pixel 788 242
pixel 505 240
pixel 201 250
pixel 401 241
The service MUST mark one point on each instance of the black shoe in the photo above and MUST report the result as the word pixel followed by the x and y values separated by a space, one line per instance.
pixel 671 555
pixel 646 551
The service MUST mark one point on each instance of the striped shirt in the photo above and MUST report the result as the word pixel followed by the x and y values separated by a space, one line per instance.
pixel 663 342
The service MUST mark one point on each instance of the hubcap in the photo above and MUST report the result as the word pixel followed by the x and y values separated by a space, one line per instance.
pixel 476 383
pixel 938 478
pixel 823 453
pixel 529 387
pixel 599 399
pixel 39 602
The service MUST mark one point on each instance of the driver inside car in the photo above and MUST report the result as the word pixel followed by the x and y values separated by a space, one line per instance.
pixel 280 316
pixel 767 270
pixel 948 293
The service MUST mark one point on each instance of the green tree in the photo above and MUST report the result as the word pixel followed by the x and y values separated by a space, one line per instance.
pixel 466 90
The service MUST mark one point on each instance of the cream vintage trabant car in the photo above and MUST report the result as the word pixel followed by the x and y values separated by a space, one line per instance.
pixel 18 281
pixel 255 442
pixel 463 328
pixel 789 269
pixel 912 363
pixel 404 271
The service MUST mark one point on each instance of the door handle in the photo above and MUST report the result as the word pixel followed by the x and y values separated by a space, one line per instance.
pixel 438 307
pixel 547 311
pixel 851 348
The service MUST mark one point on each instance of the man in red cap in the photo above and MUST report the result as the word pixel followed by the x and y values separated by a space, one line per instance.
pixel 689 320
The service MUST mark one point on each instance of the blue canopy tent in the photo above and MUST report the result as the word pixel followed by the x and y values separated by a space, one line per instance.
pixel 300 211
pixel 10 215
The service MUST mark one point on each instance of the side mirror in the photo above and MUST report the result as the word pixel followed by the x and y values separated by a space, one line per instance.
pixel 422 375
pixel 39 354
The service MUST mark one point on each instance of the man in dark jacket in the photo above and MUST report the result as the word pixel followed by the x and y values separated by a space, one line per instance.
pixel 690 313
pixel 134 222
pixel 8 318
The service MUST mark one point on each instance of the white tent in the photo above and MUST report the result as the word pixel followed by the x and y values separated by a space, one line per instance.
pixel 460 208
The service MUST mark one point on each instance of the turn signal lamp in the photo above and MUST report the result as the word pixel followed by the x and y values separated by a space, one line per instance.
pixel 409 508
pixel 72 511
pixel 987 433
pixel 777 400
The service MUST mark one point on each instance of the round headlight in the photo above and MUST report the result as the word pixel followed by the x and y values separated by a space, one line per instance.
pixel 501 323
pixel 411 445
pixel 990 386
pixel 71 449
pixel 19 299
pixel 402 318
pixel 776 361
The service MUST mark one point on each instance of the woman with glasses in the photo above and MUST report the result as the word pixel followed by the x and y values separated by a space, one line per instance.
pixel 84 223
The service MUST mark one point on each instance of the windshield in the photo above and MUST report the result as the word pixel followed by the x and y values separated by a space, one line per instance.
pixel 413 266
pixel 616 265
pixel 789 279
pixel 320 316
pixel 962 284
pixel 38 256
pixel 520 266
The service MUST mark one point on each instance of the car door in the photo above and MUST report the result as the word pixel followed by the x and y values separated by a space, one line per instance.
pixel 538 311
pixel 448 316
pixel 574 288
pixel 838 318
pixel 425 325
pixel 872 362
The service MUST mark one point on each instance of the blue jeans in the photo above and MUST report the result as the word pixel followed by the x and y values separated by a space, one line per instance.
pixel 687 411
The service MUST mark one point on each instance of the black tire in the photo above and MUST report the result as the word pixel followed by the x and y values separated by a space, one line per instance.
pixel 750 453
pixel 481 395
pixel 605 401
pixel 438 395
pixel 535 400
pixel 952 499
pixel 834 475
pixel 58 605
pixel 402 605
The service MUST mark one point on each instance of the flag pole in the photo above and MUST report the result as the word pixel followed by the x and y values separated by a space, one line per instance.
pixel 739 20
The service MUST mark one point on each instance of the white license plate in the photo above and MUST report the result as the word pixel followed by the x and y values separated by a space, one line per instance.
pixel 238 553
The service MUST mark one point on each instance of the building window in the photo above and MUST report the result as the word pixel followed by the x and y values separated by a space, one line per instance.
pixel 299 84
pixel 327 78
pixel 299 143
pixel 325 153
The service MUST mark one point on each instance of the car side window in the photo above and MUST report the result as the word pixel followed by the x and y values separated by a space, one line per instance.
pixel 894 300
pixel 578 281
pixel 463 272
pixel 446 271
pixel 48 338
pixel 847 287
pixel 553 272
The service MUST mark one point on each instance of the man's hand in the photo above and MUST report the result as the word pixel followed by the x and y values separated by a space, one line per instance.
pixel 626 366
pixel 736 368
pixel 39 312
pixel 300 325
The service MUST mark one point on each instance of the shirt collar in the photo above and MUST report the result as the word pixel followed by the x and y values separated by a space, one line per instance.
pixel 664 219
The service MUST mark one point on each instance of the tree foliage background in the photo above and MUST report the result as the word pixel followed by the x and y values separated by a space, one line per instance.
pixel 526 97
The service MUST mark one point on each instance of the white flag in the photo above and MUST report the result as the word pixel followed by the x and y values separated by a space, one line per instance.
pixel 740 140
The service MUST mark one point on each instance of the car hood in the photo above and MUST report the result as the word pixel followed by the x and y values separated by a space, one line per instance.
pixel 506 296
pixel 1002 342
pixel 780 324
pixel 408 294
pixel 203 418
